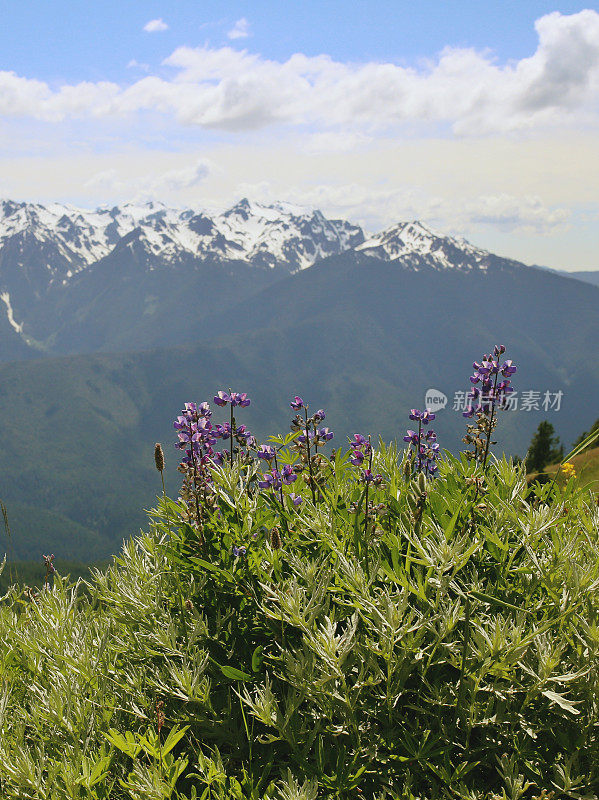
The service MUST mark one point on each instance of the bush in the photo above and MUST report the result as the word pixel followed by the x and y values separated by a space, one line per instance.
pixel 422 638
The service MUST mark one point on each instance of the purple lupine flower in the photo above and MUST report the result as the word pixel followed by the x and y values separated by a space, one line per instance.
pixel 296 499
pixel 319 415
pixel 508 369
pixel 267 452
pixel 359 440
pixel 368 477
pixel 240 399
pixel 297 403
pixel 222 398
pixel 426 448
pixel 270 480
pixel 358 458
pixel 492 395
pixel 302 438
pixel 222 431
pixel 218 459
pixel 411 436
pixel 288 475
pixel 422 416
pixel 266 482
pixel 239 551
pixel 243 433
pixel 325 434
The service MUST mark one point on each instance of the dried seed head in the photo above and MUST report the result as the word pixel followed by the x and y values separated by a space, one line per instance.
pixel 158 457
pixel 275 539
pixel 160 715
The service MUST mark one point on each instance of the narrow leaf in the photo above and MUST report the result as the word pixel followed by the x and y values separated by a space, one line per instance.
pixel 562 702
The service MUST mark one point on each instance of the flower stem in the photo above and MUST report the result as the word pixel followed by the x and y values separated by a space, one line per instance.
pixel 281 494
pixel 312 488
pixel 490 431
pixel 366 505
pixel 232 429
pixel 195 477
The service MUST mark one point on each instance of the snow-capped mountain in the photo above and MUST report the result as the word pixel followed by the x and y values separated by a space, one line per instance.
pixel 415 245
pixel 279 235
pixel 272 236
pixel 138 276
pixel 56 259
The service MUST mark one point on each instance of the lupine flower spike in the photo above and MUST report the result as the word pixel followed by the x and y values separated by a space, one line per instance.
pixel 311 436
pixel 425 450
pixel 491 387
pixel 230 431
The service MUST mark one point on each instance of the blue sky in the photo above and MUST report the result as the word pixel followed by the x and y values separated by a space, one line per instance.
pixel 72 41
pixel 480 118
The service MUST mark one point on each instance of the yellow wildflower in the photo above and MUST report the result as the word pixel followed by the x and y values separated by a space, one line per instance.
pixel 569 469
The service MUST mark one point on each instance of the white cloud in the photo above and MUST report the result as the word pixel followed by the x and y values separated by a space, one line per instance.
pixel 155 26
pixel 461 90
pixel 134 64
pixel 152 185
pixel 526 214
pixel 241 29
pixel 185 178
pixel 377 208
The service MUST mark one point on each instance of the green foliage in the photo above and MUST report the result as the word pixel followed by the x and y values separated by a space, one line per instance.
pixel 585 434
pixel 31 573
pixel 544 448
pixel 449 652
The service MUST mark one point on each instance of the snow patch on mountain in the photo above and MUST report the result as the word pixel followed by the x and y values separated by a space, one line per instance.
pixel 5 297
pixel 414 244
pixel 54 243
pixel 277 235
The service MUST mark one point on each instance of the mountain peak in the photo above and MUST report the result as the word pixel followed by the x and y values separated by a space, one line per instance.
pixel 413 243
pixel 279 235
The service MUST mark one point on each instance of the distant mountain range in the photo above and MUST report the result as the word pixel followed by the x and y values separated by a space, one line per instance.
pixel 587 276
pixel 114 318
pixel 136 277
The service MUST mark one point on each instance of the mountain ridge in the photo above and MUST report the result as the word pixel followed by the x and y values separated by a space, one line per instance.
pixel 121 278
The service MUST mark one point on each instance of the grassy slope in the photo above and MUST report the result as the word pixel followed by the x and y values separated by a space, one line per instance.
pixel 459 664
pixel 587 469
